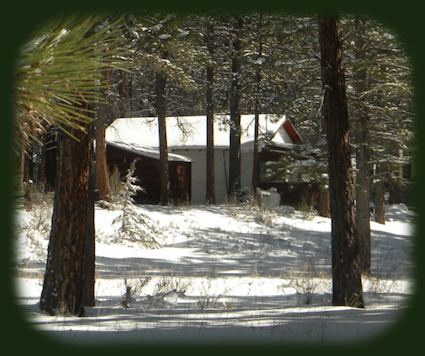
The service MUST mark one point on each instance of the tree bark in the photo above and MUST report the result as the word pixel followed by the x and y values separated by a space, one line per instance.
pixel 209 92
pixel 346 276
pixel 160 82
pixel 255 163
pixel 235 117
pixel 362 189
pixel 64 275
pixel 362 221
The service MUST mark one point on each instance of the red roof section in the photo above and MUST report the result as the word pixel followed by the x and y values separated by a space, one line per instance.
pixel 293 134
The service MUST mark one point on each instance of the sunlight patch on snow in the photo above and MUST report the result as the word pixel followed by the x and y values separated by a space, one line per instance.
pixel 220 272
pixel 121 252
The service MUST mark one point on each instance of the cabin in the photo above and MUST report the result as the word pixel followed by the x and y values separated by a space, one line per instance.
pixel 137 137
pixel 147 171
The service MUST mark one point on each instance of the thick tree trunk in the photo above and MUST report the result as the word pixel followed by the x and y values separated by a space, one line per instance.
pixel 362 229
pixel 160 81
pixel 209 92
pixel 103 189
pixel 64 275
pixel 346 276
pixel 235 117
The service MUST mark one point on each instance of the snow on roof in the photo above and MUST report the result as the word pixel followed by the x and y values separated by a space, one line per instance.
pixel 190 131
pixel 147 152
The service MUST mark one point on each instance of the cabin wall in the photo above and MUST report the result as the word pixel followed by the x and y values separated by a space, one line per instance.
pixel 147 173
pixel 199 173
pixel 246 169
pixel 221 163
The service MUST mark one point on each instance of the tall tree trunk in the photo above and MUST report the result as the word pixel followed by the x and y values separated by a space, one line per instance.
pixel 160 82
pixel 103 188
pixel 235 116
pixel 346 276
pixel 209 41
pixel 64 275
pixel 362 221
pixel 395 188
pixel 362 189
pixel 42 164
pixel 255 163
pixel 379 190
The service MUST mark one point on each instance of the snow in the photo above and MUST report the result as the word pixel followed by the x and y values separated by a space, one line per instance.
pixel 148 152
pixel 226 273
pixel 143 131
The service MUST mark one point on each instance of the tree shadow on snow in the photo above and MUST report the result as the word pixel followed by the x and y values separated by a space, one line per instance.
pixel 246 319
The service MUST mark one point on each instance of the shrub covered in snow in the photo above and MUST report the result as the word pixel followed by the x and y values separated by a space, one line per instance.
pixel 133 224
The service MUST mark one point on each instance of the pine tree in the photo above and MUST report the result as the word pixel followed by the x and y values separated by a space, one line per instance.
pixel 161 47
pixel 346 274
pixel 57 84
pixel 380 105
pixel 133 225
pixel 377 74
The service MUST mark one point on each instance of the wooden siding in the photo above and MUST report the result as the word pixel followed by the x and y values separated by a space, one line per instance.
pixel 147 172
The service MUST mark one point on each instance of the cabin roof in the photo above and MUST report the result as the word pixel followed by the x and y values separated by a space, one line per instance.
pixel 147 152
pixel 189 132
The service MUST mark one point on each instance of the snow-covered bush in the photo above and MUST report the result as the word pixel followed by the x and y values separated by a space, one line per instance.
pixel 383 279
pixel 133 224
pixel 256 210
pixel 132 290
pixel 307 284
pixel 167 290
pixel 262 214
pixel 33 231
pixel 207 300
pixel 167 284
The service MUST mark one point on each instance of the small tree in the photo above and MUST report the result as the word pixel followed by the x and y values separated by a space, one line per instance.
pixel 135 226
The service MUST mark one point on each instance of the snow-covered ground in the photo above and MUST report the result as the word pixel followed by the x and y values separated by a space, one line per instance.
pixel 222 273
